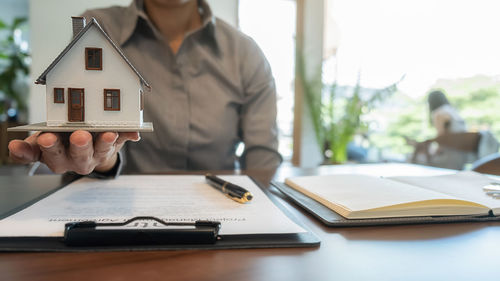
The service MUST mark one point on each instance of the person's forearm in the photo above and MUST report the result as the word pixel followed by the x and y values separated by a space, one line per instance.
pixel 261 158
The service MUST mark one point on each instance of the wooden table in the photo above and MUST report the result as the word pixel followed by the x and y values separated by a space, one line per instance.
pixel 460 251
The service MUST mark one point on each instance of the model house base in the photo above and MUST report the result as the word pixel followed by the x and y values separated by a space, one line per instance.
pixel 70 127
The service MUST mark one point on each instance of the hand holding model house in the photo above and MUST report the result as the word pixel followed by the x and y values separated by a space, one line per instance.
pixel 91 87
pixel 81 154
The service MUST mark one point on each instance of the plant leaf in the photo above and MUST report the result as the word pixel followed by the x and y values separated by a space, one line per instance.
pixel 17 22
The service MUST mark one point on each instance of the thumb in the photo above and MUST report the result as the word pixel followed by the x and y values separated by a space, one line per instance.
pixel 127 136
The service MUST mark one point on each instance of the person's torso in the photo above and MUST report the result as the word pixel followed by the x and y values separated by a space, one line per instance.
pixel 195 100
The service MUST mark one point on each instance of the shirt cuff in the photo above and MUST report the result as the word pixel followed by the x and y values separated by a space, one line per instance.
pixel 261 158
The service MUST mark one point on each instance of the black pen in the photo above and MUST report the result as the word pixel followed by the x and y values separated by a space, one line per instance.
pixel 237 193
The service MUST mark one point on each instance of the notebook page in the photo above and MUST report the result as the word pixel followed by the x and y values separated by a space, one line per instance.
pixel 361 192
pixel 171 198
pixel 465 185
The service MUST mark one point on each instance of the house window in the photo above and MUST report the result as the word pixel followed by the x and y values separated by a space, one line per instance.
pixel 112 99
pixel 93 58
pixel 58 95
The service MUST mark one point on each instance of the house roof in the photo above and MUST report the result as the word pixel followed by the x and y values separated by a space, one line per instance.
pixel 42 78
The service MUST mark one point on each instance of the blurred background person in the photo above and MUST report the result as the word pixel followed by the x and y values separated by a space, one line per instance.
pixel 444 117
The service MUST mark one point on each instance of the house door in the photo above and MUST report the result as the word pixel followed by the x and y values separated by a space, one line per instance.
pixel 76 109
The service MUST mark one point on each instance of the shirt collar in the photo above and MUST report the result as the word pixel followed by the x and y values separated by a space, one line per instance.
pixel 136 11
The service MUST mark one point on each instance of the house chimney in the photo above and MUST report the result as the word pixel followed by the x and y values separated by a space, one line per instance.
pixel 78 25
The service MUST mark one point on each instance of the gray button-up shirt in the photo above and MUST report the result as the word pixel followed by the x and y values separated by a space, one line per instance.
pixel 214 93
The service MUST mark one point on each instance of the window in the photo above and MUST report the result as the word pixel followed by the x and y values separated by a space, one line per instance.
pixel 112 99
pixel 58 95
pixel 93 58
pixel 141 92
pixel 431 44
pixel 277 40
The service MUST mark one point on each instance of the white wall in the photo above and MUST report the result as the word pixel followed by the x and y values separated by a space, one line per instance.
pixel 51 31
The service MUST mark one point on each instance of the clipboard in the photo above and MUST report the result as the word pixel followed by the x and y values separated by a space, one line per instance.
pixel 57 244
pixel 140 231
pixel 332 219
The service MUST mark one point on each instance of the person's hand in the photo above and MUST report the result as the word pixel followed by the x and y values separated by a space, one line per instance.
pixel 77 152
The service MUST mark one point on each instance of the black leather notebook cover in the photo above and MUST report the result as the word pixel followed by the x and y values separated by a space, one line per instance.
pixel 331 218
pixel 56 244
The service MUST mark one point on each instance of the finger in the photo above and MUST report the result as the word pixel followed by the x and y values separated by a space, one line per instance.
pixel 32 139
pixel 125 136
pixel 33 142
pixel 52 152
pixel 104 144
pixel 47 139
pixel 21 152
pixel 81 152
pixel 26 151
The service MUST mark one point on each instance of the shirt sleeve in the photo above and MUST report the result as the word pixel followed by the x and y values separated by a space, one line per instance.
pixel 258 126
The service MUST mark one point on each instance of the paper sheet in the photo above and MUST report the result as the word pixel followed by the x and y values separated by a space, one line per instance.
pixel 171 198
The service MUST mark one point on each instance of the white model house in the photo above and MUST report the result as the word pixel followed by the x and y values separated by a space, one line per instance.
pixel 92 84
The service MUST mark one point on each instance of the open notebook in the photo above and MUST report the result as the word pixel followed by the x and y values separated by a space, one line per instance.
pixel 368 197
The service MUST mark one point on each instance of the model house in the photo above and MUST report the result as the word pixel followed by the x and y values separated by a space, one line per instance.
pixel 91 84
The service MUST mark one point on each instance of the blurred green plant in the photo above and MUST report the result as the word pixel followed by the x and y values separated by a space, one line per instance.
pixel 336 111
pixel 14 63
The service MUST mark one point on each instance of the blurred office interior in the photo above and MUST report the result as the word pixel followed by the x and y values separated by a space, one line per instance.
pixel 371 64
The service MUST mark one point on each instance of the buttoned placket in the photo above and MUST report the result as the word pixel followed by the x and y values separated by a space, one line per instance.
pixel 183 109
pixel 179 98
pixel 182 96
pixel 181 112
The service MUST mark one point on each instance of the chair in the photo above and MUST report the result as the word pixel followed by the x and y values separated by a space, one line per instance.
pixel 451 151
pixel 466 141
pixel 488 165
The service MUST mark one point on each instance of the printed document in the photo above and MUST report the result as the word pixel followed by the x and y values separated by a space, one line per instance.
pixel 172 198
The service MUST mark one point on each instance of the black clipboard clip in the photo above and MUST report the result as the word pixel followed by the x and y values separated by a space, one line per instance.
pixel 135 232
